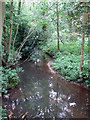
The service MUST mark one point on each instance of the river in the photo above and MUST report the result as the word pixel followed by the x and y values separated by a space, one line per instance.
pixel 45 95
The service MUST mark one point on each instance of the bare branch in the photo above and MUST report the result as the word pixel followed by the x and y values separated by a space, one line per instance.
pixel 25 115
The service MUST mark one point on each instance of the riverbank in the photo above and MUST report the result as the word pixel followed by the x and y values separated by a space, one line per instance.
pixel 67 61
pixel 53 71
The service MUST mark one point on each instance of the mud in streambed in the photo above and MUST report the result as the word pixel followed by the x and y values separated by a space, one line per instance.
pixel 45 95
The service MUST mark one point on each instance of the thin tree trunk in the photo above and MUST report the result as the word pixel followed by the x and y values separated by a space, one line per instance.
pixel 5 42
pixel 19 7
pixel 84 21
pixel 19 11
pixel 82 53
pixel 10 26
pixel 70 29
pixel 57 25
pixel 2 14
pixel 5 37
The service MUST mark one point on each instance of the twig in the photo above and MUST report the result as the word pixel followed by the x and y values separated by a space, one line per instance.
pixel 25 115
pixel 10 116
pixel 20 115
pixel 15 37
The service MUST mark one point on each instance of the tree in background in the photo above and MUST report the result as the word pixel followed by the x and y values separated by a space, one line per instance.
pixel 11 22
pixel 84 26
pixel 57 24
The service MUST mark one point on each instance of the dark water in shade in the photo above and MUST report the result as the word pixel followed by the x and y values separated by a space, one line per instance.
pixel 45 95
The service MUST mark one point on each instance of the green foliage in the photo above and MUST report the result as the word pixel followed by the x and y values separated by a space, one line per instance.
pixel 68 66
pixel 9 74
pixel 67 61
pixel 69 47
pixel 27 23
pixel 9 78
pixel 73 19
pixel 37 56
pixel 76 15
pixel 4 115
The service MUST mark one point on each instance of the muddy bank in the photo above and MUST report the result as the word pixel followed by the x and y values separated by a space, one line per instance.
pixel 55 72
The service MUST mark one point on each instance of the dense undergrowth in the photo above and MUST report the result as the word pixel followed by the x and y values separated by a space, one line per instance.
pixel 67 60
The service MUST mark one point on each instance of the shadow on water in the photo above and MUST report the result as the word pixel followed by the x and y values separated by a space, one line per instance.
pixel 45 95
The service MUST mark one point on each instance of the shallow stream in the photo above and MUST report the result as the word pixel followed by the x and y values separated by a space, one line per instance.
pixel 45 95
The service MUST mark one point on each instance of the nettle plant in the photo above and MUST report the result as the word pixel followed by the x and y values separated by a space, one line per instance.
pixel 9 70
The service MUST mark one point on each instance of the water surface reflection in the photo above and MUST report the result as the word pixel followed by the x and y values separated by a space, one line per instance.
pixel 45 95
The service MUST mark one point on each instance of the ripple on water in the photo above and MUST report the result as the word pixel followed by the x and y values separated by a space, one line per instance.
pixel 43 94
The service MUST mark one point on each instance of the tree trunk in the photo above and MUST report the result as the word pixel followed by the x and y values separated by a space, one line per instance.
pixel 19 11
pixel 57 25
pixel 2 25
pixel 5 42
pixel 82 53
pixel 84 21
pixel 5 37
pixel 70 29
pixel 10 26
pixel 19 7
pixel 2 14
pixel 70 25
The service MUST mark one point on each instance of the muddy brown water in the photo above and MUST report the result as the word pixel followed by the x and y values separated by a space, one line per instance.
pixel 45 95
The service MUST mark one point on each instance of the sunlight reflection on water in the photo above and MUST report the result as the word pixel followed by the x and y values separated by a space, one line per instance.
pixel 45 95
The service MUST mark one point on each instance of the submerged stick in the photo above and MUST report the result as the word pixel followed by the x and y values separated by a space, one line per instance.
pixel 10 116
pixel 25 115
